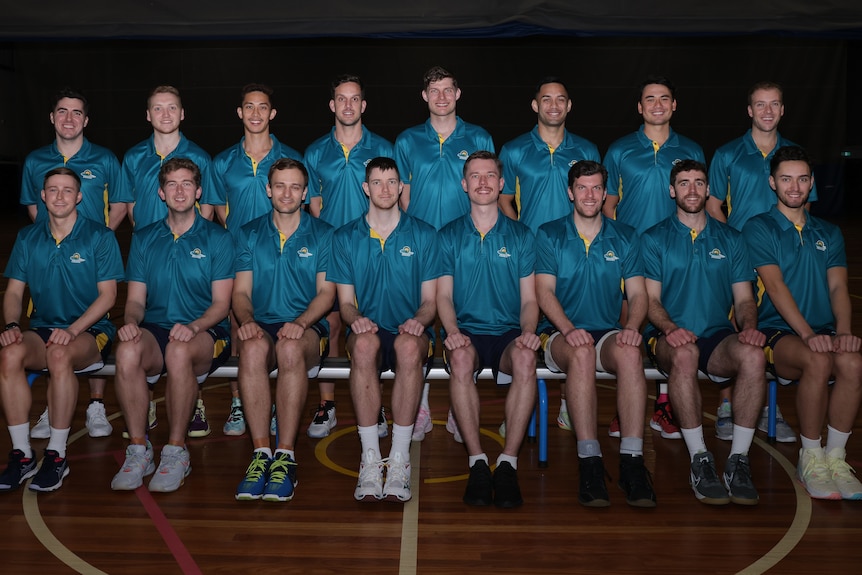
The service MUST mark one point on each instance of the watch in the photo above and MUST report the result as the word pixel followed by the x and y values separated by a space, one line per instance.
pixel 11 325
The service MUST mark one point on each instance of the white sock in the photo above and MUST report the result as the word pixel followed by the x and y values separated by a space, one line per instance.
pixel 265 450
pixel 369 439
pixel 694 440
pixel 742 438
pixel 20 435
pixel 290 453
pixel 471 461
pixel 402 435
pixel 512 460
pixel 835 438
pixel 58 440
pixel 809 443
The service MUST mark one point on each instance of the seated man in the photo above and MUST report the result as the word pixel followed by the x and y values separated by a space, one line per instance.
pixel 486 299
pixel 805 313
pixel 284 252
pixel 71 265
pixel 696 270
pixel 180 275
pixel 582 262
pixel 387 299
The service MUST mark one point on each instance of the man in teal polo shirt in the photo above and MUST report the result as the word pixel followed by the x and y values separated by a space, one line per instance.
pixel 180 276
pixel 385 265
pixel 280 298
pixel 697 271
pixel 71 265
pixel 806 313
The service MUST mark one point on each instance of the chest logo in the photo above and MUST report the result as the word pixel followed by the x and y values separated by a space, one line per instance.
pixel 504 253
pixel 463 155
pixel 406 252
pixel 303 252
pixel 820 245
pixel 716 254
pixel 88 175
pixel 610 256
pixel 197 254
pixel 572 163
pixel 76 258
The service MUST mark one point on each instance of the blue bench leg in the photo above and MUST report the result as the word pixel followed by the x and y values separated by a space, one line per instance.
pixel 543 423
pixel 772 392
pixel 531 428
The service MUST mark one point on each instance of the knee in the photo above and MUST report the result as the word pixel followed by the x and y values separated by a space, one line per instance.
pixel 290 353
pixel 685 358
pixel 58 357
pixel 366 347
pixel 408 348
pixel 462 361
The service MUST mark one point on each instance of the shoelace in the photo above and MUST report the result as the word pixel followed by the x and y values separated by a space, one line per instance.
pixel 278 471
pixel 256 469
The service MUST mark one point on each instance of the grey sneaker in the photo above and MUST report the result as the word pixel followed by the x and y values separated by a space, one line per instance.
pixel 97 420
pixel 704 480
pixel 174 467
pixel 42 429
pixel 369 486
pixel 737 480
pixel 724 423
pixel 783 432
pixel 138 464
pixel 397 486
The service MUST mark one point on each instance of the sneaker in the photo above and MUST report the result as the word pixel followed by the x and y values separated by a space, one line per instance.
pixel 724 422
pixel 382 424
pixel 199 426
pixel 51 473
pixel 480 485
pixel 843 474
pixel 452 427
pixel 783 432
pixel 423 424
pixel 152 422
pixel 397 486
pixel 662 420
pixel 19 470
pixel 42 429
pixel 369 486
pixel 636 481
pixel 97 421
pixel 281 479
pixel 592 491
pixel 815 474
pixel 323 420
pixel 502 430
pixel 252 485
pixel 173 469
pixel 563 421
pixel 507 494
pixel 737 480
pixel 235 424
pixel 138 464
pixel 273 423
pixel 614 427
pixel 704 480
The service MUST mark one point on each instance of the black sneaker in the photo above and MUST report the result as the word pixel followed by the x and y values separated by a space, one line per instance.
pixel 592 491
pixel 480 485
pixel 507 494
pixel 737 480
pixel 636 481
pixel 19 470
pixel 704 480
pixel 51 473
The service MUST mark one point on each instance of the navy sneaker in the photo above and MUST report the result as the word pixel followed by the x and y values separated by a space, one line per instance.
pixel 51 473
pixel 252 485
pixel 281 478
pixel 19 470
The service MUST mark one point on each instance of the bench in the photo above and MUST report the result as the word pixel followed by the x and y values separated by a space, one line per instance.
pixel 338 368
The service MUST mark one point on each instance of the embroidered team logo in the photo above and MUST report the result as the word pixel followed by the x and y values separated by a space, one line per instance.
pixel 197 254
pixel 610 256
pixel 463 155
pixel 76 258
pixel 88 175
pixel 303 252
pixel 572 163
pixel 365 163
pixel 676 161
pixel 504 253
pixel 716 254
pixel 820 245
pixel 406 252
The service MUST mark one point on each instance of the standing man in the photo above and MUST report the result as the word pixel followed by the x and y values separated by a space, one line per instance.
pixel 486 299
pixel 536 166
pixel 237 187
pixel 180 276
pixel 141 166
pixel 739 173
pixel 336 164
pixel 385 266
pixel 638 165
pixel 104 198
pixel 697 270
pixel 289 249
pixel 805 313
pixel 71 265
pixel 431 160
pixel 585 263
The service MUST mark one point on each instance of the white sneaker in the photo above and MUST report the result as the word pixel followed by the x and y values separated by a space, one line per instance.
pixel 783 432
pixel 97 421
pixel 397 486
pixel 152 421
pixel 843 474
pixel 382 424
pixel 174 467
pixel 452 427
pixel 138 464
pixel 815 474
pixel 369 486
pixel 423 424
pixel 42 429
pixel 323 422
